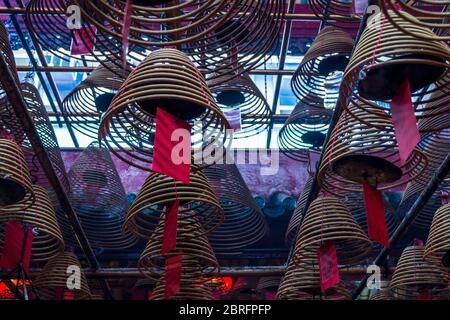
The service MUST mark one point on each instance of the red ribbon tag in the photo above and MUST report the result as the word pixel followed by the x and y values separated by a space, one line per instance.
pixel 404 121
pixel 83 41
pixel 61 294
pixel 424 295
pixel 126 30
pixel 328 266
pixel 16 247
pixel 360 6
pixel 314 157
pixel 373 200
pixel 170 227
pixel 234 118
pixel 172 158
pixel 445 198
pixel 173 276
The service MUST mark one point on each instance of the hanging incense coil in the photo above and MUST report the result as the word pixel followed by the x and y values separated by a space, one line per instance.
pixel 196 200
pixel 339 13
pixel 40 216
pixel 438 243
pixel 7 53
pixel 413 274
pixel 305 128
pixel 99 199
pixel 190 289
pixel 192 244
pixel 382 295
pixel 54 276
pixel 244 223
pixel 320 72
pixel 383 59
pixel 16 190
pixel 85 104
pixel 268 284
pixel 439 17
pixel 302 282
pixel 294 223
pixel 168 80
pixel 241 93
pixel 328 219
pixel 357 151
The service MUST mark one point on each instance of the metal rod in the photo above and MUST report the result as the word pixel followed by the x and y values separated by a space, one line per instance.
pixel 16 99
pixel 409 218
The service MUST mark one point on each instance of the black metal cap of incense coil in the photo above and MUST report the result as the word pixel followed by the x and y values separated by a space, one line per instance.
pixel 86 103
pixel 54 276
pixel 383 59
pixel 40 216
pixel 328 219
pixel 192 244
pixel 166 79
pixel 414 275
pixel 357 151
pixel 159 191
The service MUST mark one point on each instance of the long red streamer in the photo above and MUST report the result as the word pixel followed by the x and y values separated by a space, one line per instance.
pixel 170 227
pixel 328 266
pixel 173 276
pixel 17 245
pixel 376 220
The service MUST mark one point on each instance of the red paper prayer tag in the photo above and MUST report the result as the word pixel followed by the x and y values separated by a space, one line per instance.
pixel 359 6
pixel 424 295
pixel 83 40
pixel 126 30
pixel 17 245
pixel 170 227
pixel 445 198
pixel 172 151
pixel 405 123
pixel 172 276
pixel 314 157
pixel 373 200
pixel 328 266
pixel 234 118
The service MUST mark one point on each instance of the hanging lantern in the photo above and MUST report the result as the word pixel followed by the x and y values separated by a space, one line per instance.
pixel 305 128
pixel 438 244
pixel 328 219
pixel 40 216
pixel 99 199
pixel 51 283
pixel 321 70
pixel 244 223
pixel 85 104
pixel 414 276
pixel 166 79
pixel 158 192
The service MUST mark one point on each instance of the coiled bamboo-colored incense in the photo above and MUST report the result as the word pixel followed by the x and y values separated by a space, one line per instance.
pixel 86 103
pixel 438 243
pixel 244 223
pixel 328 219
pixel 40 216
pixel 51 283
pixel 339 13
pixel 165 79
pixel 414 275
pixel 357 151
pixel 159 191
pixel 382 295
pixel 190 289
pixel 384 59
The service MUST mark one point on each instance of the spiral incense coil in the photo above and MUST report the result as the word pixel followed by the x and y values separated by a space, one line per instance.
pixel 196 200
pixel 168 80
pixel 302 282
pixel 328 219
pixel 305 129
pixel 47 238
pixel 381 295
pixel 294 223
pixel 85 104
pixel 16 190
pixel 53 278
pixel 413 274
pixel 439 14
pixel 321 69
pixel 357 151
pixel 99 199
pixel 268 284
pixel 244 223
pixel 192 244
pixel 339 13
pixel 438 243
pixel 383 59
pixel 190 289
pixel 242 93
pixel 47 135
pixel 7 53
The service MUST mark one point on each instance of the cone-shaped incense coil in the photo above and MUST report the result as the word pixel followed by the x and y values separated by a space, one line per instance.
pixel 438 243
